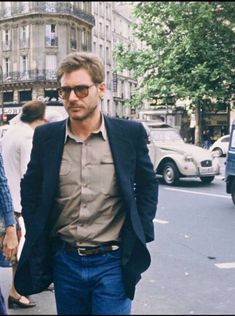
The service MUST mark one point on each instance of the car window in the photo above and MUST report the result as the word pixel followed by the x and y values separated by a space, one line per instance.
pixel 233 139
pixel 166 135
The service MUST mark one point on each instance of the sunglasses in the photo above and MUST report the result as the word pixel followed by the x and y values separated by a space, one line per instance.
pixel 81 91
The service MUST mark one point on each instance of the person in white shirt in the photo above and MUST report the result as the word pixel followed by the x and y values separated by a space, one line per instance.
pixel 16 150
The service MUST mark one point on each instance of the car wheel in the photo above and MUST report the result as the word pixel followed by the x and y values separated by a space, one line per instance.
pixel 218 151
pixel 207 179
pixel 170 173
pixel 233 191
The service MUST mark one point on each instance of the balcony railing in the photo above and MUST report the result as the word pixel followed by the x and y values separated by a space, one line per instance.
pixel 43 7
pixel 30 75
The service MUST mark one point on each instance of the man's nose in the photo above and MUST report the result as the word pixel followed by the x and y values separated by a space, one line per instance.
pixel 72 95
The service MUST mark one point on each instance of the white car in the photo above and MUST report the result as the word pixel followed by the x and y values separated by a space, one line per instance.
pixel 174 159
pixel 220 146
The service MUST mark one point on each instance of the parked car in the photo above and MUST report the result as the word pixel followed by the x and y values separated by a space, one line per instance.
pixel 174 159
pixel 220 146
pixel 230 165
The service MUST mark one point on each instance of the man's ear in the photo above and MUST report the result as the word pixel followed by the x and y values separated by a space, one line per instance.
pixel 101 89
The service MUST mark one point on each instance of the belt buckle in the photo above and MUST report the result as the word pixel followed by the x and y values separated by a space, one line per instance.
pixel 114 247
pixel 79 252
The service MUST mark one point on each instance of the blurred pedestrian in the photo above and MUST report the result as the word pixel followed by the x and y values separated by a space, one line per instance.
pixel 16 149
pixel 89 198
pixel 206 139
pixel 8 235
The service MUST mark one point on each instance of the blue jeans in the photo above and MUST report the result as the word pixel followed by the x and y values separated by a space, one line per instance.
pixel 89 285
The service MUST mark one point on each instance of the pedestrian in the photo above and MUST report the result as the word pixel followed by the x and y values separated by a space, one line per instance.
pixel 89 198
pixel 206 139
pixel 16 149
pixel 9 241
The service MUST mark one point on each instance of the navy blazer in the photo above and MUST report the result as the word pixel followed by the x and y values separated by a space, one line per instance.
pixel 138 188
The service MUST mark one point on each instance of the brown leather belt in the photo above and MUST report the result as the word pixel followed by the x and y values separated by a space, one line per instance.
pixel 86 251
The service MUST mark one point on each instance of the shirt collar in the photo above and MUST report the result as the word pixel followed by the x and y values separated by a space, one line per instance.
pixel 102 131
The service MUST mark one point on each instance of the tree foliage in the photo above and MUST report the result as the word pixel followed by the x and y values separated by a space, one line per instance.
pixel 189 50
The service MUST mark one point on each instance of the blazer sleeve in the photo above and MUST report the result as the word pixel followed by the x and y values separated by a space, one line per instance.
pixel 31 183
pixel 146 185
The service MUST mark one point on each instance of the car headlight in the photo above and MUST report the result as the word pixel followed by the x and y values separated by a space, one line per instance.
pixel 188 157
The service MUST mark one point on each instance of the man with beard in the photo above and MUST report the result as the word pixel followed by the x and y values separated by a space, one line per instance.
pixel 89 198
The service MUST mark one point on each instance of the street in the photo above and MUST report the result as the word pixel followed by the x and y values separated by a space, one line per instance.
pixel 193 257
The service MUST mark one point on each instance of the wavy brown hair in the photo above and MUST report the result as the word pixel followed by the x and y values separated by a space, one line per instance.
pixel 82 60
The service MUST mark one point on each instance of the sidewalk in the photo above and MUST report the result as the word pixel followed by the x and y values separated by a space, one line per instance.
pixel 45 301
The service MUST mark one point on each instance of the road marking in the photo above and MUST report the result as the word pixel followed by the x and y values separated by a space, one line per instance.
pixel 200 193
pixel 159 221
pixel 225 265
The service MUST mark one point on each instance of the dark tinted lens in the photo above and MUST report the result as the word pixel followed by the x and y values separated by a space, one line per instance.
pixel 64 92
pixel 81 91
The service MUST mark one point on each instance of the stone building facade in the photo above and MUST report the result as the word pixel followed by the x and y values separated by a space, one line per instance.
pixel 35 36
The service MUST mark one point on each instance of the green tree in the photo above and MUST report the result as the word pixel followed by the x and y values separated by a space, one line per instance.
pixel 189 52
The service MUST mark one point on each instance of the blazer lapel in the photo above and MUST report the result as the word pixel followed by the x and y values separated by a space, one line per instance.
pixel 123 154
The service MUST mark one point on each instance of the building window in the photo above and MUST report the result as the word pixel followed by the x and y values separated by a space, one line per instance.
pixel 6 37
pixel 107 32
pixel 51 64
pixel 83 36
pixel 51 94
pixel 24 36
pixel 24 66
pixel 24 6
pixel 101 8
pixel 94 47
pixel 108 59
pixel 101 51
pixel 23 32
pixel 7 96
pixel 73 38
pixel 7 8
pixel 84 39
pixel 51 6
pixel 7 67
pixel 101 30
pixel 51 38
pixel 25 95
pixel 108 80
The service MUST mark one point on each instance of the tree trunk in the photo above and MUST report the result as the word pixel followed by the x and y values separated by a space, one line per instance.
pixel 198 125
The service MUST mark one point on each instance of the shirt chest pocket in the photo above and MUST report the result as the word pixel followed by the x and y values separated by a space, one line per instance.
pixel 108 183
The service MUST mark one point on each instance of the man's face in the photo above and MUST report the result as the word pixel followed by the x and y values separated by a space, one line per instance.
pixel 83 102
